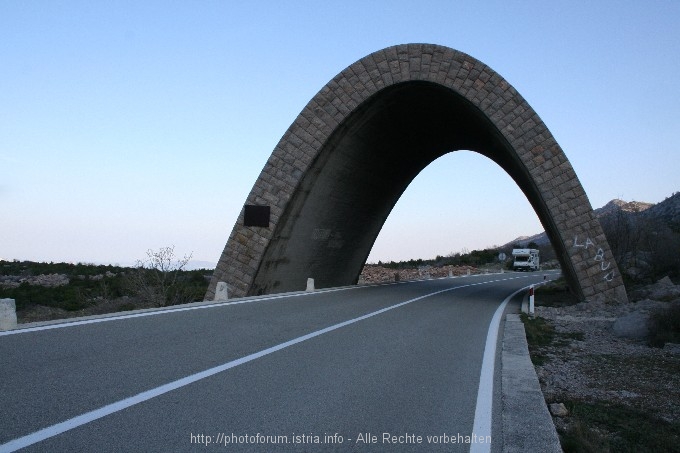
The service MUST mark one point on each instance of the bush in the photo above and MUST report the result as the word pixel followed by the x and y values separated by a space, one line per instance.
pixel 539 333
pixel 473 258
pixel 646 245
pixel 160 280
pixel 664 326
pixel 89 285
pixel 612 427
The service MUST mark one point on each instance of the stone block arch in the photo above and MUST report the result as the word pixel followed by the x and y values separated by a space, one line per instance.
pixel 340 168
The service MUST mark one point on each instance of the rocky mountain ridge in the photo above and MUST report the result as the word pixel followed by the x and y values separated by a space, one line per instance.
pixel 667 211
pixel 617 205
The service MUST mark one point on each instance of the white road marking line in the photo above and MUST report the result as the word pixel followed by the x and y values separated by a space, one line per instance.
pixel 64 324
pixel 109 409
pixel 165 311
pixel 484 408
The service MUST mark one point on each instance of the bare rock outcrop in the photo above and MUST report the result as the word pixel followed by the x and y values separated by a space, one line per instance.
pixel 47 280
pixel 379 274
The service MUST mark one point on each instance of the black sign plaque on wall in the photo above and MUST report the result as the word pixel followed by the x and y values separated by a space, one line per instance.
pixel 256 216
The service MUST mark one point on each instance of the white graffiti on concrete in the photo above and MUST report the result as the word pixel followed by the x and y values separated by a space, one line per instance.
pixel 599 256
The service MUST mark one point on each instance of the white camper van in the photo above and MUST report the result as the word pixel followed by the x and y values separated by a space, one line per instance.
pixel 525 259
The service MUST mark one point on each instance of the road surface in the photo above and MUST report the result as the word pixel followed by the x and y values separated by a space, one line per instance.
pixel 392 367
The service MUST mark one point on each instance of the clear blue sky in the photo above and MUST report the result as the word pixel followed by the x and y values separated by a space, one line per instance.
pixel 133 125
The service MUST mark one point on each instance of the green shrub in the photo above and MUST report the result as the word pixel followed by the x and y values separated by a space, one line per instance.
pixel 128 306
pixel 85 290
pixel 539 333
pixel 616 428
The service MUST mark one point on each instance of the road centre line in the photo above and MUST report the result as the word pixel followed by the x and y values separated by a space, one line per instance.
pixel 117 406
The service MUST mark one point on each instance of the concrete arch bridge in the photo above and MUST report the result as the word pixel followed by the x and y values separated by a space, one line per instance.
pixel 332 180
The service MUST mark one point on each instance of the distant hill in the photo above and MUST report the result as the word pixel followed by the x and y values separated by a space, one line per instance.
pixel 192 265
pixel 667 211
pixel 196 265
pixel 615 206
pixel 540 239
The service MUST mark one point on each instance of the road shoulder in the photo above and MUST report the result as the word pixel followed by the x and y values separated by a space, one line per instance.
pixel 527 425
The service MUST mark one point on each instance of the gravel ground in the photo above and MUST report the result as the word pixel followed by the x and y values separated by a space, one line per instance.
pixel 590 362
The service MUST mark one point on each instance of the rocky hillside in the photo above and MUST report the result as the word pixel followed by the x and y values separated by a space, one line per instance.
pixel 609 372
pixel 615 206
pixel 378 274
pixel 538 239
pixel 667 211
pixel 45 291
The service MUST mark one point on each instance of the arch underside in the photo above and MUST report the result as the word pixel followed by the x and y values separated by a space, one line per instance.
pixel 346 196
pixel 331 203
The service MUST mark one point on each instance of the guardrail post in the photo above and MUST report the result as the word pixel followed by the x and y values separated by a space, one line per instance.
pixel 8 314
pixel 221 291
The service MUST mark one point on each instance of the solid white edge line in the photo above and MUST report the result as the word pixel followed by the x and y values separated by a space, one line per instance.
pixel 64 324
pixel 117 406
pixel 74 323
pixel 109 409
pixel 482 425
pixel 206 304
pixel 483 410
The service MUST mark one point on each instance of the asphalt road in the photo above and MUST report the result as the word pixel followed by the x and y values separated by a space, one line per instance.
pixel 370 368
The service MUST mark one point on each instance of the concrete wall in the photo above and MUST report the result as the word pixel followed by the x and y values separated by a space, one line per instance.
pixel 342 165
